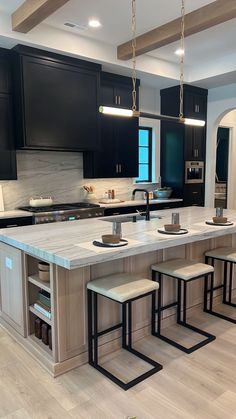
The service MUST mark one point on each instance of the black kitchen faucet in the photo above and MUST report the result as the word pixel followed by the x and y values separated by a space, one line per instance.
pixel 147 213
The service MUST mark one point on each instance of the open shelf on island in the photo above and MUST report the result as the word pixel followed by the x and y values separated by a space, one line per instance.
pixel 40 315
pixel 34 279
pixel 39 344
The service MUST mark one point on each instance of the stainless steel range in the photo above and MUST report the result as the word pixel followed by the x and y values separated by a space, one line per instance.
pixel 64 212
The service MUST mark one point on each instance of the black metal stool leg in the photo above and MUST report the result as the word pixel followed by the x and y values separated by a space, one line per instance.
pixel 124 326
pixel 225 282
pixel 159 313
pixel 181 304
pixel 205 292
pixel 185 302
pixel 227 292
pixel 126 333
pixel 179 301
pixel 95 327
pixel 90 327
pixel 153 322
pixel 129 325
pixel 211 290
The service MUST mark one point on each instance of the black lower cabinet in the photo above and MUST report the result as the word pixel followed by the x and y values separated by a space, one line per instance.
pixel 7 149
pixel 132 208
pixel 194 195
pixel 118 156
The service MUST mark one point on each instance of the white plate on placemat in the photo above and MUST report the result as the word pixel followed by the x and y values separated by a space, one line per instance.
pixel 173 233
pixel 211 223
pixel 100 243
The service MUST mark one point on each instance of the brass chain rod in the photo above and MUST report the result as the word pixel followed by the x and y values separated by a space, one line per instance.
pixel 134 75
pixel 182 52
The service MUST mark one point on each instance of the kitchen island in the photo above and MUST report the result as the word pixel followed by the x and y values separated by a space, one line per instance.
pixel 74 261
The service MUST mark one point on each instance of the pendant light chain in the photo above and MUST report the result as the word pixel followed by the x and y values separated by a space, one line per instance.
pixel 181 92
pixel 134 75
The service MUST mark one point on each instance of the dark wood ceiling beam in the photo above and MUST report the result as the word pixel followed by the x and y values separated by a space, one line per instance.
pixel 33 12
pixel 206 17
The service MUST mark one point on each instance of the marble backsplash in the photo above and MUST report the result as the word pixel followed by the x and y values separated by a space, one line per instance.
pixel 60 175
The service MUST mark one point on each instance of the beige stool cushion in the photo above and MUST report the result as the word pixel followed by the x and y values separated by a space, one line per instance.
pixel 183 269
pixel 122 287
pixel 224 253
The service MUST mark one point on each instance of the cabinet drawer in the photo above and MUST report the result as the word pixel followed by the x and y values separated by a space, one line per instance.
pixel 194 195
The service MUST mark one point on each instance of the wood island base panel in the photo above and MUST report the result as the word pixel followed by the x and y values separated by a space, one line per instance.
pixel 74 261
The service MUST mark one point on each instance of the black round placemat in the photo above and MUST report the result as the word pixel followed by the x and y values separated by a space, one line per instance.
pixel 100 244
pixel 211 223
pixel 174 233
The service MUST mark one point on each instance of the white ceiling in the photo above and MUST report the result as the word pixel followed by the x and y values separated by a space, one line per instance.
pixel 210 55
pixel 115 16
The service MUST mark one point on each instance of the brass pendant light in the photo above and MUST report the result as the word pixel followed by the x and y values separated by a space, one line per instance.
pixel 133 113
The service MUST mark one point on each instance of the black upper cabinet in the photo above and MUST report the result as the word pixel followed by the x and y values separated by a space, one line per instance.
pixel 117 90
pixel 5 71
pixel 7 147
pixel 194 101
pixel 118 156
pixel 195 106
pixel 56 101
pixel 194 143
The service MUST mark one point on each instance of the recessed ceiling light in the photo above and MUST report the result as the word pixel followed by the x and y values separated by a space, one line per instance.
pixel 94 23
pixel 179 51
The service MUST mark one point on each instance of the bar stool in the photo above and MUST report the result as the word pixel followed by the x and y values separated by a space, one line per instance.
pixel 124 289
pixel 183 271
pixel 227 255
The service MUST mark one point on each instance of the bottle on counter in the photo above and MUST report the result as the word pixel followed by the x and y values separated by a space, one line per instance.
pixel 112 194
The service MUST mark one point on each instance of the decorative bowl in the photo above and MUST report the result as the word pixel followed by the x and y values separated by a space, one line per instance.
pixel 163 193
pixel 172 227
pixel 220 220
pixel 111 238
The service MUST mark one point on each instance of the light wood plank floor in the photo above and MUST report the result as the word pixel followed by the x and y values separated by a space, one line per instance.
pixel 200 385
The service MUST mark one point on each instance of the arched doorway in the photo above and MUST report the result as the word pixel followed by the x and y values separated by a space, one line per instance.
pixel 225 171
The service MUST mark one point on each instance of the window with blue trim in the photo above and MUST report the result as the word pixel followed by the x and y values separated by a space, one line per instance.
pixel 145 155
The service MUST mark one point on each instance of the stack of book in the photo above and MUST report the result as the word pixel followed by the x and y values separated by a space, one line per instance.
pixel 43 304
pixel 43 309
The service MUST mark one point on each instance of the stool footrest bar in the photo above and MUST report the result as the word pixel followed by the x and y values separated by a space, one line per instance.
pixel 110 329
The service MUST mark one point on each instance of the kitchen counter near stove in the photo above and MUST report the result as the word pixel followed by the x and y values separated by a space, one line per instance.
pixel 138 202
pixel 14 214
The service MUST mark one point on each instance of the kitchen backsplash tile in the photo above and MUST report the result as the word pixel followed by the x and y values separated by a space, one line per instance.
pixel 58 174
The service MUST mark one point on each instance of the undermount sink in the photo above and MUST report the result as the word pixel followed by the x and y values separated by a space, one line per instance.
pixel 130 218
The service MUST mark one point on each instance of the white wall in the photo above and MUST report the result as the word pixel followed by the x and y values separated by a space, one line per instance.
pixel 221 100
pixel 229 121
pixel 60 174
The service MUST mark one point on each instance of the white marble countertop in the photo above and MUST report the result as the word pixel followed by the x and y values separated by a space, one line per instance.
pixel 14 214
pixel 138 202
pixel 69 244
